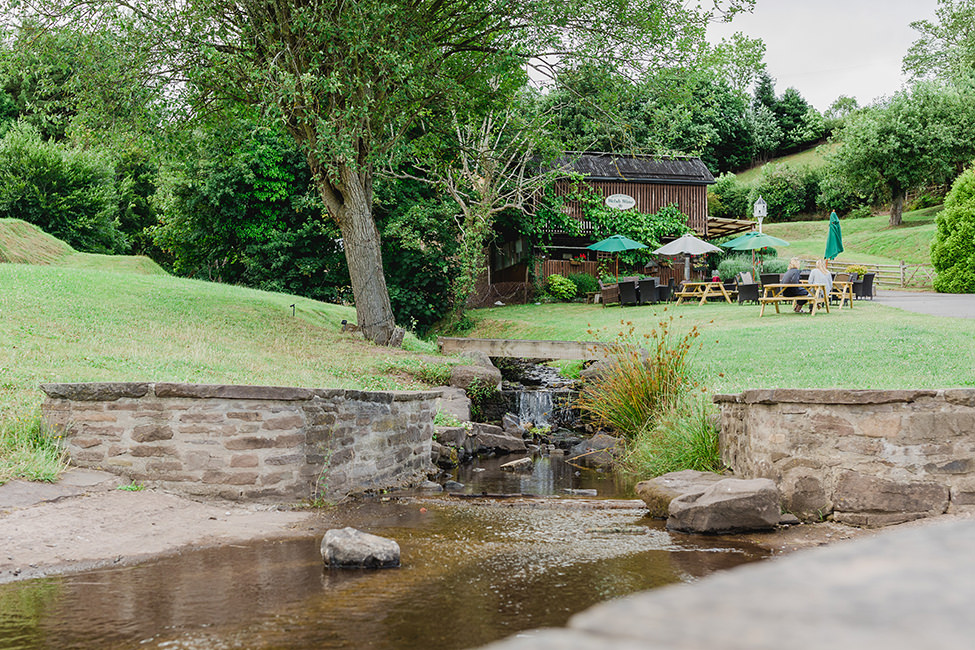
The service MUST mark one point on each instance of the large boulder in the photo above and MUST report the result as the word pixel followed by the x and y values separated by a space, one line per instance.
pixel 658 492
pixel 597 451
pixel 729 506
pixel 351 548
pixel 513 426
pixel 488 438
pixel 464 376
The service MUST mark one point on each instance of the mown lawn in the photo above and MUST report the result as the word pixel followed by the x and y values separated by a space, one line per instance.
pixel 869 346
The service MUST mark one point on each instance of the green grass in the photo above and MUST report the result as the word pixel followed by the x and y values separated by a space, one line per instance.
pixel 28 450
pixel 812 158
pixel 869 240
pixel 869 346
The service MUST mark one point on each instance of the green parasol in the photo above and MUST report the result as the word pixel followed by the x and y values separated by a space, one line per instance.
pixel 616 244
pixel 834 240
pixel 753 241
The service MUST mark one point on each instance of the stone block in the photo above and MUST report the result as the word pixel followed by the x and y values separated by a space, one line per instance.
pixel 152 432
pixel 289 440
pixel 198 418
pixel 877 519
pixel 244 460
pixel 88 456
pixel 85 443
pixel 289 459
pixel 95 391
pixel 195 461
pixel 857 492
pixel 81 416
pixel 146 451
pixel 804 495
pixel 247 416
pixel 157 465
pixel 230 478
pixel 249 442
pixel 284 423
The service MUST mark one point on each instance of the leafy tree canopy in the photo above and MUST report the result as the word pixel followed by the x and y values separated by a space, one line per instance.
pixel 946 47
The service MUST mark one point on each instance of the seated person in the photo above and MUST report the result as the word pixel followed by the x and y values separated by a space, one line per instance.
pixel 820 275
pixel 791 276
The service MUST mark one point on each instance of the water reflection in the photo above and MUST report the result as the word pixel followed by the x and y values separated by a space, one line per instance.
pixel 551 475
pixel 472 573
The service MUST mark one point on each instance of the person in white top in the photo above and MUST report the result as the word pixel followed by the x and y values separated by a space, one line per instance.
pixel 819 275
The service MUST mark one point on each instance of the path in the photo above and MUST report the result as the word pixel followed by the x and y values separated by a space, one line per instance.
pixel 936 304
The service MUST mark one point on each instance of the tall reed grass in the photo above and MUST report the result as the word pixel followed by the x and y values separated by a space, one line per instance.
pixel 646 376
pixel 684 438
pixel 30 450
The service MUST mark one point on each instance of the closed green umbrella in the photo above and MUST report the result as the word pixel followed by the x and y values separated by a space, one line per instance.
pixel 616 244
pixel 834 240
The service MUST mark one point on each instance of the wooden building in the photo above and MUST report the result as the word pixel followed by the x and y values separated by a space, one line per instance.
pixel 642 182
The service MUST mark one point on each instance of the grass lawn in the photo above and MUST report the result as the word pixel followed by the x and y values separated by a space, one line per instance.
pixel 812 158
pixel 869 346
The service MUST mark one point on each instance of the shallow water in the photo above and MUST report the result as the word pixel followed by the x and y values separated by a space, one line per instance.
pixel 474 571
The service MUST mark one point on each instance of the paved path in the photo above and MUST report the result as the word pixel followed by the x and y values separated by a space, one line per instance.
pixel 936 304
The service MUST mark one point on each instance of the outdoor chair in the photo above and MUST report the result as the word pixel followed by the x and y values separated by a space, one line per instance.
pixel 863 288
pixel 665 292
pixel 835 295
pixel 748 289
pixel 628 292
pixel 609 293
pixel 647 291
pixel 770 278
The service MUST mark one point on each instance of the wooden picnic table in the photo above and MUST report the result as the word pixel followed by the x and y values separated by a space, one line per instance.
pixel 774 294
pixel 702 290
pixel 844 292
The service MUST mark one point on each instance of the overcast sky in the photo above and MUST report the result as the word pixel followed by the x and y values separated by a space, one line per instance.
pixel 828 48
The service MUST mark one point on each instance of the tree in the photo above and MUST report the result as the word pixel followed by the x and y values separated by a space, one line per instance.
pixel 953 248
pixel 946 49
pixel 348 78
pixel 919 136
pixel 765 131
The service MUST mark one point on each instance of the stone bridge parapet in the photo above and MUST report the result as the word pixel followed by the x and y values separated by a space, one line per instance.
pixel 868 457
pixel 246 442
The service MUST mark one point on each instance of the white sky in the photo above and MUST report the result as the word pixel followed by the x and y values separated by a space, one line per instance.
pixel 828 48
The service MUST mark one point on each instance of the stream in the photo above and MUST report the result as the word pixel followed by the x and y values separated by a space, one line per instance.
pixel 474 570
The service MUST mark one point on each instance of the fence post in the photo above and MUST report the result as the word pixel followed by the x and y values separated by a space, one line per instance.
pixel 903 274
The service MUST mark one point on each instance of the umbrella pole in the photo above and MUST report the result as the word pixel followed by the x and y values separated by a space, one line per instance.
pixel 687 267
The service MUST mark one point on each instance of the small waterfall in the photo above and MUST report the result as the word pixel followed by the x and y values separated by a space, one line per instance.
pixel 535 406
pixel 544 407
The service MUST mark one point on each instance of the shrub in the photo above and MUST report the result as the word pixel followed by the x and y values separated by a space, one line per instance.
pixel 585 283
pixel 30 450
pixel 861 212
pixel 640 384
pixel 953 248
pixel 730 267
pixel 728 198
pixel 560 287
pixel 788 191
pixel 774 265
pixel 684 438
pixel 859 269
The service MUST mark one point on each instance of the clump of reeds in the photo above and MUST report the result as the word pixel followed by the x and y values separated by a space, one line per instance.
pixel 30 450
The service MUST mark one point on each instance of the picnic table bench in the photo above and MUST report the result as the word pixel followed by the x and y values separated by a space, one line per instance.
pixel 703 290
pixel 774 294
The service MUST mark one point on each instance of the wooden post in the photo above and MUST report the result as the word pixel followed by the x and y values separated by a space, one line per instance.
pixel 903 274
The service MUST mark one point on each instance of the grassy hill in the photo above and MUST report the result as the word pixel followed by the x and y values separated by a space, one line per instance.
pixel 24 243
pixel 70 317
pixel 869 240
pixel 812 158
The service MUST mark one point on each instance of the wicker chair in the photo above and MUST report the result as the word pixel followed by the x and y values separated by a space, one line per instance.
pixel 748 289
pixel 647 291
pixel 609 293
pixel 864 288
pixel 628 293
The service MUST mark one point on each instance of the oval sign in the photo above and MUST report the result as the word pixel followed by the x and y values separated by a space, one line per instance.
pixel 620 201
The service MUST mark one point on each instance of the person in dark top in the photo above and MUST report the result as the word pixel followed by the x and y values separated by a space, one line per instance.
pixel 791 276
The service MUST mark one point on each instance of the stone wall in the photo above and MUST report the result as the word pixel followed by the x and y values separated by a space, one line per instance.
pixel 869 457
pixel 246 442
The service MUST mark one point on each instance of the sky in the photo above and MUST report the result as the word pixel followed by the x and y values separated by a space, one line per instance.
pixel 828 48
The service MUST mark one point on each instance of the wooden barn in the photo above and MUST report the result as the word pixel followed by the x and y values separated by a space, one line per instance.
pixel 645 183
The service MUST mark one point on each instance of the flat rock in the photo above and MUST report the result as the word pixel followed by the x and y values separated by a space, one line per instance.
pixel 522 465
pixel 464 376
pixel 351 548
pixel 492 438
pixel 730 505
pixel 658 492
pixel 871 501
pixel 455 402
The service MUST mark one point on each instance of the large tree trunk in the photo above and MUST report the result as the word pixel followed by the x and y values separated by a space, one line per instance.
pixel 897 208
pixel 349 202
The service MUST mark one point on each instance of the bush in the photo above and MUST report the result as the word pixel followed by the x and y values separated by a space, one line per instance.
pixel 585 283
pixel 728 198
pixel 953 248
pixel 732 266
pixel 861 212
pixel 788 191
pixel 645 379
pixel 560 287
pixel 773 265
pixel 684 438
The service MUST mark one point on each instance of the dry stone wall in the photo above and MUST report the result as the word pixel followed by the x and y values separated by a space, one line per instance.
pixel 246 442
pixel 868 457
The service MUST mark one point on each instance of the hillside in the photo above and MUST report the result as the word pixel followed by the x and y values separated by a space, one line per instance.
pixel 812 158
pixel 25 243
pixel 63 321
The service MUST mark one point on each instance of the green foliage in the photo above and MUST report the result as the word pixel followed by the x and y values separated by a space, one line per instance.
pixel 29 450
pixel 773 265
pixel 789 191
pixel 683 438
pixel 479 392
pixel 646 377
pixel 442 419
pixel 585 283
pixel 132 487
pixel 729 198
pixel 731 266
pixel 69 192
pixel 560 288
pixel 946 48
pixel 953 248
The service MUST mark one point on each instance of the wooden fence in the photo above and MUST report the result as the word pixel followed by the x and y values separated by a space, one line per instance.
pixel 902 275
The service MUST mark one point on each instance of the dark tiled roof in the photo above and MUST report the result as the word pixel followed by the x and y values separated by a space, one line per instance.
pixel 637 168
